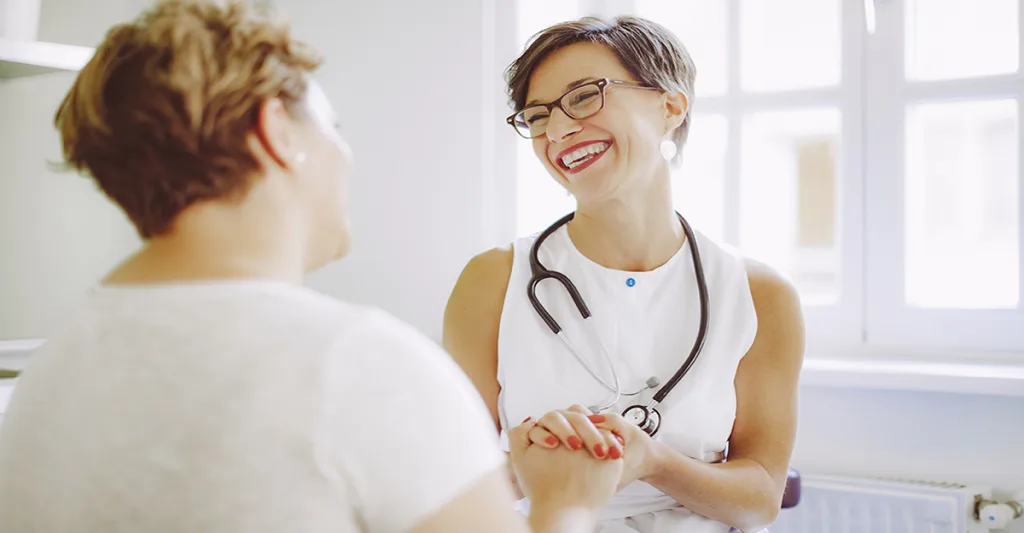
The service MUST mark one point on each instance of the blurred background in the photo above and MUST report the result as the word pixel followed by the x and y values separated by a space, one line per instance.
pixel 869 149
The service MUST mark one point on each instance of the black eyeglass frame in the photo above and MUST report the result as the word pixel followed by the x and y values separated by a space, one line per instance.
pixel 602 84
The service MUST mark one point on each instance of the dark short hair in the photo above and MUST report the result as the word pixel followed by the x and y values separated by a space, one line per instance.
pixel 160 116
pixel 648 50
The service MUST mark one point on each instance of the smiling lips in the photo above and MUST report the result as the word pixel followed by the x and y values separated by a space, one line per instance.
pixel 580 156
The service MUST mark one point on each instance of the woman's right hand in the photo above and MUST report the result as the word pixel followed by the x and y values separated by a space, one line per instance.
pixel 561 479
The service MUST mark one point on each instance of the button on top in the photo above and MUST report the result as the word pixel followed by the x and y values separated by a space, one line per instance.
pixel 630 282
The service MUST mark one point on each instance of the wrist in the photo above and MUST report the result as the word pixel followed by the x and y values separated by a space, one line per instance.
pixel 552 518
pixel 654 462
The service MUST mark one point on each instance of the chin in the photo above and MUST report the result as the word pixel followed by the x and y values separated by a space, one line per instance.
pixel 331 252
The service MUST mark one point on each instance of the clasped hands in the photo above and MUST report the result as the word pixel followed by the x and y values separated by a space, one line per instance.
pixel 574 450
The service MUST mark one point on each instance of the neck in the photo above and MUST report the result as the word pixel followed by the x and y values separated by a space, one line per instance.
pixel 637 232
pixel 216 242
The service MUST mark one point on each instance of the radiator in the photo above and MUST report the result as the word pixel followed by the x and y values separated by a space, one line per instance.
pixel 858 505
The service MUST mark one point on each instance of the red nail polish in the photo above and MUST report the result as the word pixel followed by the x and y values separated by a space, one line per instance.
pixel 551 441
pixel 599 450
pixel 597 419
pixel 574 442
pixel 527 419
pixel 614 453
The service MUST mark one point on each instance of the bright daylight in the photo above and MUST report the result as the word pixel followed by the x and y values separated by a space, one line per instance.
pixel 514 266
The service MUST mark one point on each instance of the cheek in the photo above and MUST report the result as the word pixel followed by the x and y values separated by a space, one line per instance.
pixel 540 149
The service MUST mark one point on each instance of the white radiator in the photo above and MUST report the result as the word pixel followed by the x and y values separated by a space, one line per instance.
pixel 858 505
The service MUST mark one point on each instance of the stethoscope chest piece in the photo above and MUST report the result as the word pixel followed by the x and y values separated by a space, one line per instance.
pixel 646 418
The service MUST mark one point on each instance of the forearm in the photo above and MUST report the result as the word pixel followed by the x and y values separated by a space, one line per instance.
pixel 512 479
pixel 738 493
pixel 555 519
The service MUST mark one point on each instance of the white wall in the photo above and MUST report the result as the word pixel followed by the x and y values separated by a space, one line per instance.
pixel 409 85
pixel 58 233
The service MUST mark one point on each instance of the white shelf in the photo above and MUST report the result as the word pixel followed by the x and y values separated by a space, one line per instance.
pixel 19 59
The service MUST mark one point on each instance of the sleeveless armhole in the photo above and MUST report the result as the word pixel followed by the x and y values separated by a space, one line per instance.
pixel 520 260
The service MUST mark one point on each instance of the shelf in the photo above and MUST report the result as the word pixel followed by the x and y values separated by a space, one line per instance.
pixel 19 59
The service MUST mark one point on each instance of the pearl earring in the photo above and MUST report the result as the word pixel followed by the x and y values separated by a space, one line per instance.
pixel 300 157
pixel 668 149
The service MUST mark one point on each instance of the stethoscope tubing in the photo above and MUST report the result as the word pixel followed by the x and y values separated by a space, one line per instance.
pixel 540 273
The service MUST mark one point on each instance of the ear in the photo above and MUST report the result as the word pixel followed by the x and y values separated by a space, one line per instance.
pixel 677 105
pixel 276 133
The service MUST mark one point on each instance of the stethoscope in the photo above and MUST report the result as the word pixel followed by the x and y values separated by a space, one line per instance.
pixel 647 417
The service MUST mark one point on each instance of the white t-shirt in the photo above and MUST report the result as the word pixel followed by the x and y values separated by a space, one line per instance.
pixel 245 407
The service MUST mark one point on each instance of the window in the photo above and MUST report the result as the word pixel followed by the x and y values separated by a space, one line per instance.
pixel 868 149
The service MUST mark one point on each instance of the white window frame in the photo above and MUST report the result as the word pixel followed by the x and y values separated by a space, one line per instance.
pixel 871 318
pixel 889 321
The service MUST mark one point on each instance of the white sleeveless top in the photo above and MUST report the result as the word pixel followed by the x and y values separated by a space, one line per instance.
pixel 648 322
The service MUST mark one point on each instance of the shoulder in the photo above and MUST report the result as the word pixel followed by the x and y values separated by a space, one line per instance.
pixel 780 331
pixel 388 363
pixel 490 269
pixel 382 340
pixel 480 290
pixel 770 288
pixel 396 408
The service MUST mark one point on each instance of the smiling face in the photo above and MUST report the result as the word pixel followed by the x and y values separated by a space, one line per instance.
pixel 610 152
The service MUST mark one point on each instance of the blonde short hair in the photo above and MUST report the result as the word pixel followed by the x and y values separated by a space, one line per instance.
pixel 160 116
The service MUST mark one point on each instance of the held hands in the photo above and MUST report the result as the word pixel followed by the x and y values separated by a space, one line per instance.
pixel 640 449
pixel 565 477
pixel 575 427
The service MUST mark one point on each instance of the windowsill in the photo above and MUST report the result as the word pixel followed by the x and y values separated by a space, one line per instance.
pixel 959 375
pixel 920 375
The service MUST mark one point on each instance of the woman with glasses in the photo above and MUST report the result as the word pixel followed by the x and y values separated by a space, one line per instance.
pixel 606 106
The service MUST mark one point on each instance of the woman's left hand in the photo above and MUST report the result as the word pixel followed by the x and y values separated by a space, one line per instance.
pixel 639 448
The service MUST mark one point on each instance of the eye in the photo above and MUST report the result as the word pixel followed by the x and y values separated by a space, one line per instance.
pixel 584 97
pixel 534 118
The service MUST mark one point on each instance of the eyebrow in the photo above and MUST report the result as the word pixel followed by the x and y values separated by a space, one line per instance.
pixel 568 87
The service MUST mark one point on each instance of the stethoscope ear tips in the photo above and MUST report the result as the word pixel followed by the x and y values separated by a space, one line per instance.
pixel 653 382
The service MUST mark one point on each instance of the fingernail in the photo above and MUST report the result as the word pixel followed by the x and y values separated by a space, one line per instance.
pixel 527 419
pixel 597 419
pixel 551 441
pixel 599 450
pixel 614 453
pixel 574 442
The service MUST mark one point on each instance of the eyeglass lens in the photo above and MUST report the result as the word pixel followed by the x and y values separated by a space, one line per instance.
pixel 578 103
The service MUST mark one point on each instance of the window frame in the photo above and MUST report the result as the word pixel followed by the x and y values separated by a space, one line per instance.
pixel 889 321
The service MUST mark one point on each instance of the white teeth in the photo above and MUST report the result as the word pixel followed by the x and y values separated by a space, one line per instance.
pixel 575 158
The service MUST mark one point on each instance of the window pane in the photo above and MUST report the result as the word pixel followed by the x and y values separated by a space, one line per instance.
pixel 956 38
pixel 788 195
pixel 535 15
pixel 698 186
pixel 540 199
pixel 701 26
pixel 962 183
pixel 789 44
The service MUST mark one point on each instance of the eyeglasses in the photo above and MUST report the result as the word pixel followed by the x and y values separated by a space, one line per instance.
pixel 579 103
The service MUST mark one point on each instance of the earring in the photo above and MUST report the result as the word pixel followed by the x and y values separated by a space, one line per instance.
pixel 300 157
pixel 668 149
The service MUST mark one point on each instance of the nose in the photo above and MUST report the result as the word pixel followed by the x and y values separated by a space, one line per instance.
pixel 561 126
